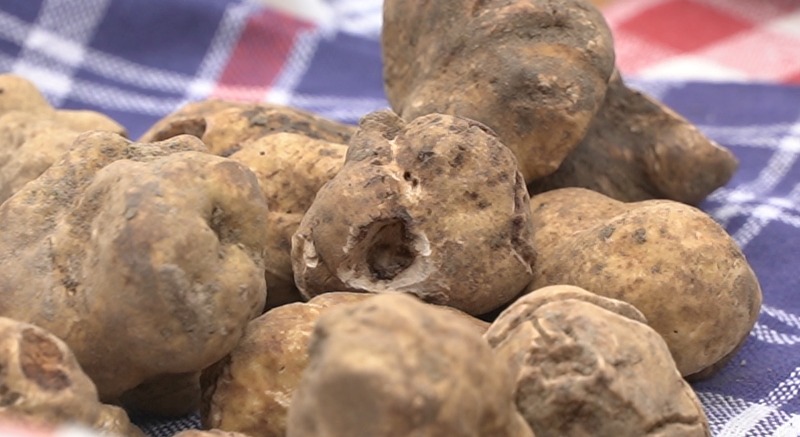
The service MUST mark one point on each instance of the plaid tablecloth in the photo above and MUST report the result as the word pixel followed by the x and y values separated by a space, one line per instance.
pixel 139 59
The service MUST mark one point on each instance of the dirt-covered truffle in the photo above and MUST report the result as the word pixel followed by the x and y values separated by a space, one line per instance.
pixel 224 126
pixel 146 259
pixel 535 71
pixel 189 119
pixel 20 94
pixel 291 168
pixel 639 149
pixel 251 389
pixel 292 152
pixel 33 135
pixel 394 366
pixel 670 260
pixel 42 384
pixel 435 207
pixel 583 367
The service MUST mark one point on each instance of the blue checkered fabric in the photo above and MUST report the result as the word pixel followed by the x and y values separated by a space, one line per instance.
pixel 137 60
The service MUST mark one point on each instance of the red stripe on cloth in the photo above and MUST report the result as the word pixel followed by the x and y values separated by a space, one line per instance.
pixel 793 78
pixel 259 55
pixel 684 25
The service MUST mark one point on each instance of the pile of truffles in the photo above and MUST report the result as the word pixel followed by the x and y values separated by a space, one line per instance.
pixel 287 275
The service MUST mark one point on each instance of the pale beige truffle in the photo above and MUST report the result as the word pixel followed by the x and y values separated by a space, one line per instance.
pixel 33 135
pixel 251 389
pixel 671 261
pixel 292 152
pixel 225 126
pixel 290 168
pixel 583 367
pixel 393 366
pixel 146 259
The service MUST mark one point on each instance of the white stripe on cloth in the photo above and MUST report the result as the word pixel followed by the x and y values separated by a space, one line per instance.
pixel 787 146
pixel 13 29
pixel 786 391
pixel 759 217
pixel 74 20
pixel 40 53
pixel 731 417
pixel 112 98
pixel 745 421
pixel 781 316
pixel 790 428
pixel 782 161
pixel 768 335
pixel 358 17
pixel 68 53
pixel 102 64
pixel 54 45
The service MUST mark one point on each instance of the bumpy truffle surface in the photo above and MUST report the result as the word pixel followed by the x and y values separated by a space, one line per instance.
pixel 435 207
pixel 146 259
pixel 535 71
pixel 42 384
pixel 582 367
pixel 393 366
pixel 251 389
pixel 639 149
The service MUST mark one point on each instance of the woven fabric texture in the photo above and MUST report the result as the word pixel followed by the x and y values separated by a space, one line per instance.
pixel 727 65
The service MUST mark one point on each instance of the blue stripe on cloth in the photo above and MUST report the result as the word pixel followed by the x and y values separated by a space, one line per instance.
pixel 26 10
pixel 359 76
pixel 141 60
pixel 168 35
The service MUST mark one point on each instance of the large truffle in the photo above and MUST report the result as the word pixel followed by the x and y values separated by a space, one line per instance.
pixel 435 207
pixel 393 366
pixel 535 71
pixel 292 152
pixel 639 149
pixel 146 259
pixel 671 261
